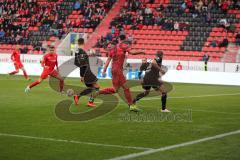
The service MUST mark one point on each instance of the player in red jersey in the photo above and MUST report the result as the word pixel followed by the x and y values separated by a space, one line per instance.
pixel 15 57
pixel 117 56
pixel 48 63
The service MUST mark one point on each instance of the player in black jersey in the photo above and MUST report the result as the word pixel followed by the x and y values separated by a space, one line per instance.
pixel 151 79
pixel 87 77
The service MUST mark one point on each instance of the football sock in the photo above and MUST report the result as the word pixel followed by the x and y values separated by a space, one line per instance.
pixel 85 92
pixel 34 84
pixel 107 91
pixel 128 96
pixel 164 101
pixel 25 75
pixel 140 96
pixel 14 72
pixel 61 85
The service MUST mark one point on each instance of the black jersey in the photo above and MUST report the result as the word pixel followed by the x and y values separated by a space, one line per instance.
pixel 152 75
pixel 82 61
pixel 151 72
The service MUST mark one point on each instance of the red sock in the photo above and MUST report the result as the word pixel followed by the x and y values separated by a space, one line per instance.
pixel 14 72
pixel 61 85
pixel 107 91
pixel 128 96
pixel 34 84
pixel 25 74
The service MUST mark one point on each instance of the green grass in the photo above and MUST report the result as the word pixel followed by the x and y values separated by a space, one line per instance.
pixel 33 115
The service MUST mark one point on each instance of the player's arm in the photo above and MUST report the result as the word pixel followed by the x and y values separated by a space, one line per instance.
pixel 136 53
pixel 83 70
pixel 106 66
pixel 57 64
pixel 154 64
pixel 43 61
pixel 12 56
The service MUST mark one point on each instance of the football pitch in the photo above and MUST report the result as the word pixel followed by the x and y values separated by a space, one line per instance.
pixel 204 124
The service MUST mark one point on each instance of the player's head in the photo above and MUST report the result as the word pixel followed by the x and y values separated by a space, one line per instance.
pixel 159 56
pixel 144 60
pixel 51 48
pixel 80 42
pixel 122 37
pixel 17 46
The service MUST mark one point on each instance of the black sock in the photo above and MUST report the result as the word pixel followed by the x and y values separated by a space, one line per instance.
pixel 164 101
pixel 91 98
pixel 140 96
pixel 85 92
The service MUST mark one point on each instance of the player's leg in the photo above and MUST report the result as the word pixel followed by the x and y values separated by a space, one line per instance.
pixel 142 94
pixel 25 73
pixel 95 91
pixel 127 94
pixel 35 83
pixel 16 69
pixel 111 90
pixel 90 88
pixel 14 72
pixel 132 106
pixel 56 75
pixel 163 93
pixel 43 76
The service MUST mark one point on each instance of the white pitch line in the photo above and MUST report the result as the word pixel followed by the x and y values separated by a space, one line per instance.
pixel 183 97
pixel 73 141
pixel 199 96
pixel 144 153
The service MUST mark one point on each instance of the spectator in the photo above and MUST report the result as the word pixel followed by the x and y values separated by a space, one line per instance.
pixel 77 5
pixel 160 8
pixel 130 39
pixel 206 57
pixel 224 6
pixel 224 23
pixel 208 17
pixel 2 33
pixel 179 66
pixel 176 26
pixel 238 39
pixel 237 68
pixel 109 37
pixel 148 11
pixel 224 43
pixel 213 43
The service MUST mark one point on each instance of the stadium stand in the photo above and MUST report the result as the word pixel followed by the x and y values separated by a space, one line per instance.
pixel 32 22
pixel 182 29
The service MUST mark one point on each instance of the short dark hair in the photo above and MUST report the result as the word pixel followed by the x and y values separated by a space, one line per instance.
pixel 80 41
pixel 159 54
pixel 122 37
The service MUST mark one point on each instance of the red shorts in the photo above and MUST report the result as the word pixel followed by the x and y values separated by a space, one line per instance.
pixel 18 65
pixel 47 73
pixel 118 79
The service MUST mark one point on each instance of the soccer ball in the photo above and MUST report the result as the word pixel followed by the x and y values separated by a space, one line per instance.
pixel 70 92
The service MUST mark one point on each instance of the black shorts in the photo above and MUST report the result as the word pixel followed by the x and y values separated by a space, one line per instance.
pixel 89 85
pixel 147 85
pixel 90 79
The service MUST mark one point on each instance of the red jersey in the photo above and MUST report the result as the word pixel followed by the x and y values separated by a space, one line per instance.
pixel 118 54
pixel 50 61
pixel 15 57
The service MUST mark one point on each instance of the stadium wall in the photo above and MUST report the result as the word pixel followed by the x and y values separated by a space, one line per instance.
pixel 193 72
